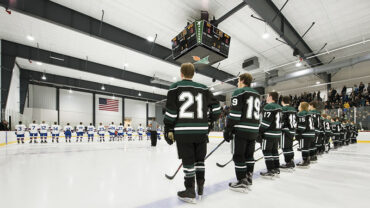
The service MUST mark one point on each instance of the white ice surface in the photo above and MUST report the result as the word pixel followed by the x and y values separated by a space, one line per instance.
pixel 131 174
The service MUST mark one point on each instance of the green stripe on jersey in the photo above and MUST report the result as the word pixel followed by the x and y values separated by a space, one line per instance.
pixel 171 111
pixel 192 132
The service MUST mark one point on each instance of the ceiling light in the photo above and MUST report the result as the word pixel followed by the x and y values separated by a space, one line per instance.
pixel 125 65
pixel 112 78
pixel 30 38
pixel 70 90
pixel 298 64
pixel 139 94
pixel 212 88
pixel 102 87
pixel 174 78
pixel 265 35
pixel 318 82
pixel 38 63
pixel 150 38
pixel 114 97
pixel 43 77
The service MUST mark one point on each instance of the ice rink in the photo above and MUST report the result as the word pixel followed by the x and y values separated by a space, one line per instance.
pixel 131 174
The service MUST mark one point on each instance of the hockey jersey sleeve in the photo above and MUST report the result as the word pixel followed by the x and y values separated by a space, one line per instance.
pixel 236 110
pixel 267 119
pixel 214 105
pixel 170 116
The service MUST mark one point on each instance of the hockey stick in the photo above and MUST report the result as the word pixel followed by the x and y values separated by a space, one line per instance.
pixel 279 153
pixel 223 165
pixel 209 154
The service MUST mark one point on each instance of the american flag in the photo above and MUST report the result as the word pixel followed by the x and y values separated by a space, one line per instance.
pixel 106 104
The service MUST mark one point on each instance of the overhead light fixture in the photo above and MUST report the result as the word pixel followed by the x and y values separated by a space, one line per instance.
pixel 102 87
pixel 298 64
pixel 265 35
pixel 139 94
pixel 114 97
pixel 30 38
pixel 70 90
pixel 125 65
pixel 318 82
pixel 174 78
pixel 212 88
pixel 112 78
pixel 43 77
pixel 150 38
pixel 38 63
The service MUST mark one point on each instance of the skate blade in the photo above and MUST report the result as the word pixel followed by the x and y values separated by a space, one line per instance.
pixel 277 175
pixel 314 162
pixel 287 170
pixel 303 167
pixel 200 197
pixel 188 200
pixel 240 190
pixel 268 177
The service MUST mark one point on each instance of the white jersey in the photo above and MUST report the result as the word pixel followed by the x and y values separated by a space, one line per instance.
pixel 101 129
pixel 33 128
pixel 129 130
pixel 90 129
pixel 67 128
pixel 112 128
pixel 44 128
pixel 55 129
pixel 120 129
pixel 140 130
pixel 80 128
pixel 20 129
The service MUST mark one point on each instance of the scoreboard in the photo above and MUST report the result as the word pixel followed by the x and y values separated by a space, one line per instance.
pixel 201 40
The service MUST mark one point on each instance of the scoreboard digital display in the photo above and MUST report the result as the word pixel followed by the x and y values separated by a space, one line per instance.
pixel 200 40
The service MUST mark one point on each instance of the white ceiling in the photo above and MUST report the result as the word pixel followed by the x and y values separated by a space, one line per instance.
pixel 67 72
pixel 338 22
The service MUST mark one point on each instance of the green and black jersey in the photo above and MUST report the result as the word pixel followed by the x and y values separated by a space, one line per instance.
pixel 316 115
pixel 336 128
pixel 189 107
pixel 270 126
pixel 342 128
pixel 327 127
pixel 244 114
pixel 305 124
pixel 289 120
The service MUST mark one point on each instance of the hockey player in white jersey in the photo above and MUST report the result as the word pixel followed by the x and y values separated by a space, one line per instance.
pixel 68 133
pixel 44 132
pixel 148 134
pixel 80 129
pixel 112 131
pixel 129 132
pixel 140 132
pixel 33 130
pixel 19 131
pixel 90 133
pixel 159 133
pixel 120 133
pixel 101 132
pixel 55 129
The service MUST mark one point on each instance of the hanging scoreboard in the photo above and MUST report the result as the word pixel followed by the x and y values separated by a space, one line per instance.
pixel 201 43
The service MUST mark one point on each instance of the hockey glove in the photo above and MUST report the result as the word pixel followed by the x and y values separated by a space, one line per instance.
pixel 210 126
pixel 228 135
pixel 169 136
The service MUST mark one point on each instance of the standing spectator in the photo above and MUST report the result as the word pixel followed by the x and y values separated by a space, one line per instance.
pixel 4 126
pixel 361 87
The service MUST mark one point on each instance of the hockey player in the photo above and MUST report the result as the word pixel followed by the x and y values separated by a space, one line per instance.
pixel 120 132
pixel 112 131
pixel 148 134
pixel 327 132
pixel 305 133
pixel 354 132
pixel 288 132
pixel 316 122
pixel 336 132
pixel 186 121
pixel 348 132
pixel 270 133
pixel 129 132
pixel 101 132
pixel 342 131
pixel 140 131
pixel 80 129
pixel 55 129
pixel 159 133
pixel 44 132
pixel 33 129
pixel 19 131
pixel 90 132
pixel 244 119
pixel 321 146
pixel 68 133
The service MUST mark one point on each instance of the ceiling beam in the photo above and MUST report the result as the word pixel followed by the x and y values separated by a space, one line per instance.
pixel 62 82
pixel 11 49
pixel 61 15
pixel 229 13
pixel 267 10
